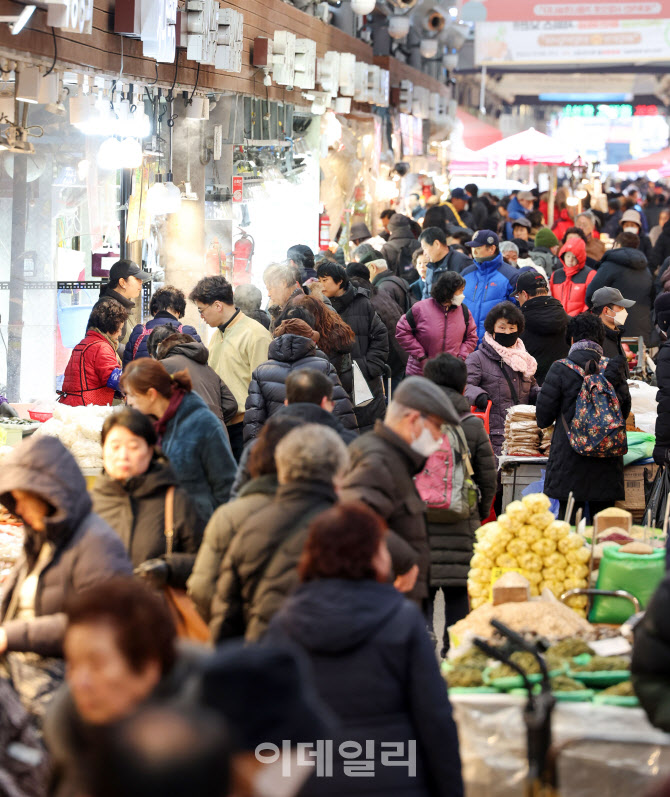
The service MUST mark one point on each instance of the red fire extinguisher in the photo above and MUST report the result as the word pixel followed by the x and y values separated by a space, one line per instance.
pixel 324 231
pixel 243 251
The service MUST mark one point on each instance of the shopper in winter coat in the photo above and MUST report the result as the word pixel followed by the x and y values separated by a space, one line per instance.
pixel 168 306
pixel 662 431
pixel 596 480
pixel 390 314
pixel 651 658
pixel 451 544
pixel 386 282
pixel 188 433
pixel 132 495
pixel 121 653
pixel 283 287
pixel 180 352
pixel 569 284
pixel 490 280
pixel 385 461
pixel 439 324
pixel 441 257
pixel 294 347
pixel 371 345
pixel 226 521
pixel 631 222
pixel 336 337
pixel 66 547
pixel 238 346
pixel 348 620
pixel 545 322
pixel 93 371
pixel 564 221
pixel 625 269
pixel 308 459
pixel 595 248
pixel 501 370
pixel 125 284
pixel 249 298
pixel 611 308
pixel 545 251
pixel 400 246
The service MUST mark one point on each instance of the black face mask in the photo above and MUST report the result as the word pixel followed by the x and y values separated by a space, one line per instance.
pixel 506 339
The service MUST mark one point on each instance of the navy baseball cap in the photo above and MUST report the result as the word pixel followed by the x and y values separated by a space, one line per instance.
pixel 460 193
pixel 529 280
pixel 484 238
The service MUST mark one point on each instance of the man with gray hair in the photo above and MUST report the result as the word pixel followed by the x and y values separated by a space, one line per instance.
pixel 248 298
pixel 385 281
pixel 281 282
pixel 595 248
pixel 510 252
pixel 384 462
pixel 263 555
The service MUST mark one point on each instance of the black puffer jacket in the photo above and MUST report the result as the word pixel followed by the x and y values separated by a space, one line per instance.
pixel 612 346
pixel 86 551
pixel 371 350
pixel 267 390
pixel 661 248
pixel 193 357
pixel 390 314
pixel 401 246
pixel 451 543
pixel 626 269
pixel 397 289
pixel 240 588
pixel 662 430
pixel 588 478
pixel 544 335
pixel 136 512
pixel 375 667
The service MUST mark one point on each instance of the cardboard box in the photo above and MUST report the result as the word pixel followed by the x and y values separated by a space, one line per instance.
pixel 633 477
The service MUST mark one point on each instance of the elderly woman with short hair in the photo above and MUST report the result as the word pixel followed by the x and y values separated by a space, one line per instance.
pixel 281 282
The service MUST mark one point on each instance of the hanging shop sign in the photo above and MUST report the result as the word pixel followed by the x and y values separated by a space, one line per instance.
pixel 572 42
pixel 613 111
pixel 72 16
pixel 212 35
pixel 152 21
pixel 528 10
pixel 238 189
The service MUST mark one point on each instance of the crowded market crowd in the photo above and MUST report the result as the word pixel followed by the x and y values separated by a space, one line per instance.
pixel 254 568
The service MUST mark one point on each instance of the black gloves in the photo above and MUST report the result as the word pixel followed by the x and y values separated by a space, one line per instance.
pixel 155 571
pixel 482 402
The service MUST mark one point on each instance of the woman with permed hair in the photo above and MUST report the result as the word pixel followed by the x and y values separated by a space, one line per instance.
pixel 438 325
pixel 501 370
pixel 93 372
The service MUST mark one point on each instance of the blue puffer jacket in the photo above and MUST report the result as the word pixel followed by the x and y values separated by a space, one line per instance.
pixel 160 319
pixel 486 285
pixel 515 210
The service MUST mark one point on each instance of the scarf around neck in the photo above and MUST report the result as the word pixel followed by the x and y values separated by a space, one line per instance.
pixel 515 356
pixel 170 412
pixel 114 343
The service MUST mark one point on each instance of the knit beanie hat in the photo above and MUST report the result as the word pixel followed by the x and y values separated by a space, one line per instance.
pixel 545 237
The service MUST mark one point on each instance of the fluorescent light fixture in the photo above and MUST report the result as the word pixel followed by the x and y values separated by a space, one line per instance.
pixel 28 84
pixel 18 23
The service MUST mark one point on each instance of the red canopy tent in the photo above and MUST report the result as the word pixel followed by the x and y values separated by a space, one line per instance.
pixel 528 147
pixel 654 161
pixel 476 133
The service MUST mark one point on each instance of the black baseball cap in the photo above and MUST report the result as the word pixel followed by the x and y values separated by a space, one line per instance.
pixel 529 280
pixel 484 238
pixel 123 269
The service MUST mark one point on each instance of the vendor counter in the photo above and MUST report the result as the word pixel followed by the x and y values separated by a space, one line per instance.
pixel 493 748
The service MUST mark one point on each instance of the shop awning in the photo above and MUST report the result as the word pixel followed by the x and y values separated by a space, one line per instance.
pixel 477 134
pixel 531 146
pixel 467 162
pixel 654 161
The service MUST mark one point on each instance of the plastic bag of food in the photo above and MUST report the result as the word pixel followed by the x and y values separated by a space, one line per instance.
pixel 638 574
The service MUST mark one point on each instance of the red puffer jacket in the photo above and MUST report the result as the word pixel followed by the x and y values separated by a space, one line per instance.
pixel 569 284
pixel 92 362
pixel 563 224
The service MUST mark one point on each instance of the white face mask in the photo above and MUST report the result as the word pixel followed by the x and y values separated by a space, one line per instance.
pixel 631 229
pixel 620 317
pixel 425 444
pixel 458 299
